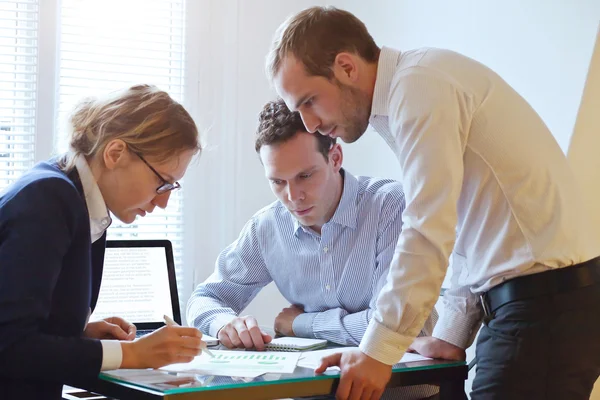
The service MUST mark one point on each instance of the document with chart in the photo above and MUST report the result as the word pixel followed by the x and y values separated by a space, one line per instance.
pixel 239 363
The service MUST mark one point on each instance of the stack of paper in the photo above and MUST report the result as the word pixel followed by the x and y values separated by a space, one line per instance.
pixel 295 344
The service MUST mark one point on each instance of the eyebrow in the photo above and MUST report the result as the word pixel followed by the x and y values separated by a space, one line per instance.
pixel 169 177
pixel 301 101
pixel 306 171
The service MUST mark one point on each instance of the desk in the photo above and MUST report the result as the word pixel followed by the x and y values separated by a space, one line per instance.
pixel 450 376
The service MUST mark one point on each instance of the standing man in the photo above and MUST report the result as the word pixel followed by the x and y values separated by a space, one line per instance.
pixel 485 183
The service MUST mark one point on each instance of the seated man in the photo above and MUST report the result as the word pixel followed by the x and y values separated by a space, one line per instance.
pixel 326 243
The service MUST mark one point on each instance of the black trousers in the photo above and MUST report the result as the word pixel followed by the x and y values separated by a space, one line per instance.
pixel 543 348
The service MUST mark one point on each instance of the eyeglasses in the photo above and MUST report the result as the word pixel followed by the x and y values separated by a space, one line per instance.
pixel 166 186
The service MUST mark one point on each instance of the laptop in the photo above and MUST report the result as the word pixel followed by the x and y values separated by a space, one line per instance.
pixel 139 285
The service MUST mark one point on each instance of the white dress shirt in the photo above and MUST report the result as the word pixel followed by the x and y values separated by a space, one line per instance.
pixel 485 183
pixel 112 354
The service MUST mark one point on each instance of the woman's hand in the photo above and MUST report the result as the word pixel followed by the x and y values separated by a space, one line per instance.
pixel 167 345
pixel 110 328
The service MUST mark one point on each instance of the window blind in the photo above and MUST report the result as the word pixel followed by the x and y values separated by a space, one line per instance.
pixel 106 45
pixel 18 87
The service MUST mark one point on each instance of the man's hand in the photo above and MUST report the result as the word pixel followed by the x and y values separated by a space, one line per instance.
pixel 362 377
pixel 429 346
pixel 285 320
pixel 243 332
pixel 110 328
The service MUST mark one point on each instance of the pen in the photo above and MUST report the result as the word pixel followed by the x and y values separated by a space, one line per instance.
pixel 169 321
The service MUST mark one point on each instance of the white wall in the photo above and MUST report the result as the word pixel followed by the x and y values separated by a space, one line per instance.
pixel 541 47
pixel 227 186
pixel 585 145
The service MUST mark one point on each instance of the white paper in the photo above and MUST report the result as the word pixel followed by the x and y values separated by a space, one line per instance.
pixel 312 359
pixel 239 363
pixel 140 375
pixel 234 373
pixel 412 357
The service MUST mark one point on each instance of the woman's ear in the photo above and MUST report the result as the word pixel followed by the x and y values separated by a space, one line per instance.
pixel 115 154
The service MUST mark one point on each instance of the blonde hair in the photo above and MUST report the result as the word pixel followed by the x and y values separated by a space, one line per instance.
pixel 315 36
pixel 147 119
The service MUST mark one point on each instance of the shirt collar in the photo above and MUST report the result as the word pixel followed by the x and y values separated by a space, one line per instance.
pixel 346 212
pixel 386 68
pixel 99 218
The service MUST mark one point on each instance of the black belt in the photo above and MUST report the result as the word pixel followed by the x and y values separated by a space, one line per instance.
pixel 541 284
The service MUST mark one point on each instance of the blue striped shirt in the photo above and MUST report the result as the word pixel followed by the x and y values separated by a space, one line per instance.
pixel 335 276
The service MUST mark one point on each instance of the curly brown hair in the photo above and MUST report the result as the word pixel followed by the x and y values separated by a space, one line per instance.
pixel 277 124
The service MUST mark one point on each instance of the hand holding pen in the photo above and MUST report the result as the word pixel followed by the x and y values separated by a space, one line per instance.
pixel 169 321
pixel 167 345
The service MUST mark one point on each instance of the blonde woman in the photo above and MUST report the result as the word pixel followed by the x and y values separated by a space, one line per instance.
pixel 127 153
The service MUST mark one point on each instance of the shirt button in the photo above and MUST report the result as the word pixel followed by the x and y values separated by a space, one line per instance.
pixel 325 249
pixel 327 287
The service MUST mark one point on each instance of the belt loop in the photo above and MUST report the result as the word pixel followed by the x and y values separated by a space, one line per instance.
pixel 488 316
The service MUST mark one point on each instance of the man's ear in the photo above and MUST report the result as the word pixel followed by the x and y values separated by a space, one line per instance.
pixel 336 156
pixel 345 68
pixel 115 154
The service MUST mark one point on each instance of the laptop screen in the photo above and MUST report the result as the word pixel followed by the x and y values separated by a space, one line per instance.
pixel 136 284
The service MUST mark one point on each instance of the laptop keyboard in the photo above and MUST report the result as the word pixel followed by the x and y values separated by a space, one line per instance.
pixel 143 332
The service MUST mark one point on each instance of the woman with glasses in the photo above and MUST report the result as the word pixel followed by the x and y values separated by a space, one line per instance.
pixel 127 152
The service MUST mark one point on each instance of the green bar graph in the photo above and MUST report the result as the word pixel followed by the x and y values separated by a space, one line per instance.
pixel 240 360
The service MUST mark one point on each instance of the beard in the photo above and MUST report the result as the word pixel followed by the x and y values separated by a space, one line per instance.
pixel 355 110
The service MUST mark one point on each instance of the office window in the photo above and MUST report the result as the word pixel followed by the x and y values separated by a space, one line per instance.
pixel 105 45
pixel 18 83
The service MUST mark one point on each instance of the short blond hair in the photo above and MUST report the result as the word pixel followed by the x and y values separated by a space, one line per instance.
pixel 146 118
pixel 315 36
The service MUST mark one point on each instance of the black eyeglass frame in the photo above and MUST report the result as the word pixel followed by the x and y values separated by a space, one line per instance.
pixel 166 186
